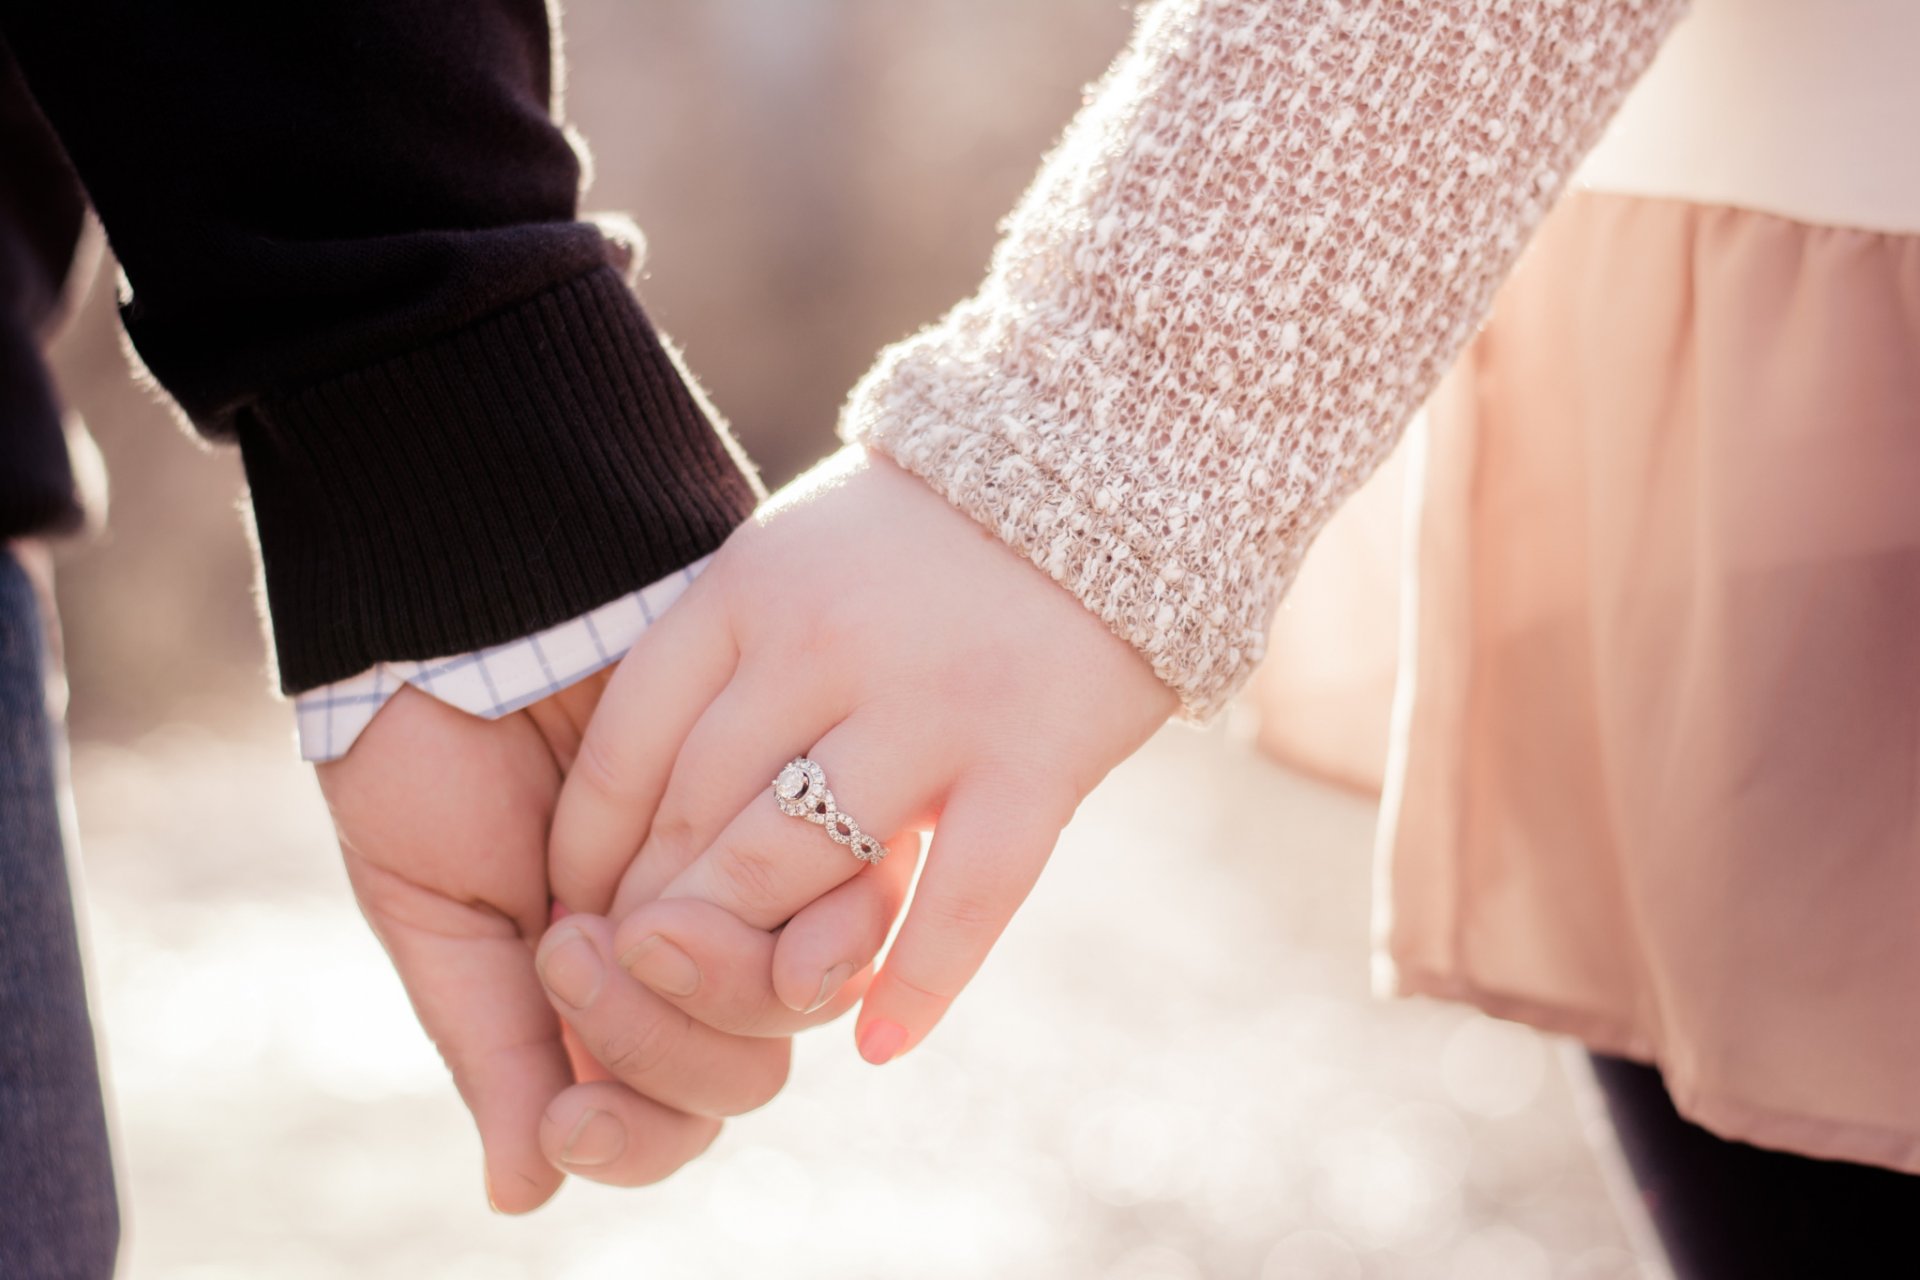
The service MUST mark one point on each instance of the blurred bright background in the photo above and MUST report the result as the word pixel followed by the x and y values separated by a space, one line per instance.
pixel 1170 1069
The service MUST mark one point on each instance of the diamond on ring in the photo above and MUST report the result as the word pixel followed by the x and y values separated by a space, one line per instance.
pixel 801 791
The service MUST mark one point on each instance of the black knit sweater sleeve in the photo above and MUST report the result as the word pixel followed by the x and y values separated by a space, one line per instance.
pixel 42 214
pixel 351 236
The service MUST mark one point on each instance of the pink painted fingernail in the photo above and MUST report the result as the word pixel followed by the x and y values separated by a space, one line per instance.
pixel 882 1040
pixel 598 1139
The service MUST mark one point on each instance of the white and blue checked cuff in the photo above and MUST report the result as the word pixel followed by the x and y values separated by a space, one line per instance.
pixel 492 682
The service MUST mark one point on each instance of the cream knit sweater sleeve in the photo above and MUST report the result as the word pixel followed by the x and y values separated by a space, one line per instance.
pixel 1249 259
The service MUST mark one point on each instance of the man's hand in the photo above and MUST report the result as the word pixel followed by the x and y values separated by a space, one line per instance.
pixel 443 820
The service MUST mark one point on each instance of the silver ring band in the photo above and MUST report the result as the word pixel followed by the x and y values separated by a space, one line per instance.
pixel 801 792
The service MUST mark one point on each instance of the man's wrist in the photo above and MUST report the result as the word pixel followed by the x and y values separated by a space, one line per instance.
pixel 504 478
pixel 492 682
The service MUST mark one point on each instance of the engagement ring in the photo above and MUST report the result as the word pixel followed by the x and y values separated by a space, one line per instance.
pixel 801 792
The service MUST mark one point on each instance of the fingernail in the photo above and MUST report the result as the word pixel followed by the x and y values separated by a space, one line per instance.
pixel 830 985
pixel 663 966
pixel 881 1040
pixel 597 1139
pixel 572 971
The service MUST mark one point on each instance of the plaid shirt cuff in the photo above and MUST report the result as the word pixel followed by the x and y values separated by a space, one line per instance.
pixel 492 682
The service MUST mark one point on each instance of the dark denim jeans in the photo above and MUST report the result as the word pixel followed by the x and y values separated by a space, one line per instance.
pixel 58 1217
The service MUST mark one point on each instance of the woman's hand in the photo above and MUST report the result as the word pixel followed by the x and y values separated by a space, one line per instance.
pixel 941 680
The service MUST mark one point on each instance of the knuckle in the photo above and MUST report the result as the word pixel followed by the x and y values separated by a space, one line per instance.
pixel 967 914
pixel 462 1063
pixel 664 1164
pixel 670 839
pixel 770 1079
pixel 883 898
pixel 637 1051
pixel 820 633
pixel 742 1013
pixel 604 766
pixel 923 987
pixel 749 878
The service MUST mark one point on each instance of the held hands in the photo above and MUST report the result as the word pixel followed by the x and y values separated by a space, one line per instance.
pixel 443 820
pixel 940 680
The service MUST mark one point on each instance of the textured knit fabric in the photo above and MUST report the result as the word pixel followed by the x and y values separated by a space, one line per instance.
pixel 353 244
pixel 1250 258
pixel 58 1217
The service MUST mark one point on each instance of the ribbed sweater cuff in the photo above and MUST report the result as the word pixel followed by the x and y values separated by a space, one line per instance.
pixel 503 478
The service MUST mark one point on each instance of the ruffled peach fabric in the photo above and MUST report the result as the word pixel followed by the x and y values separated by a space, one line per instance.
pixel 1654 778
